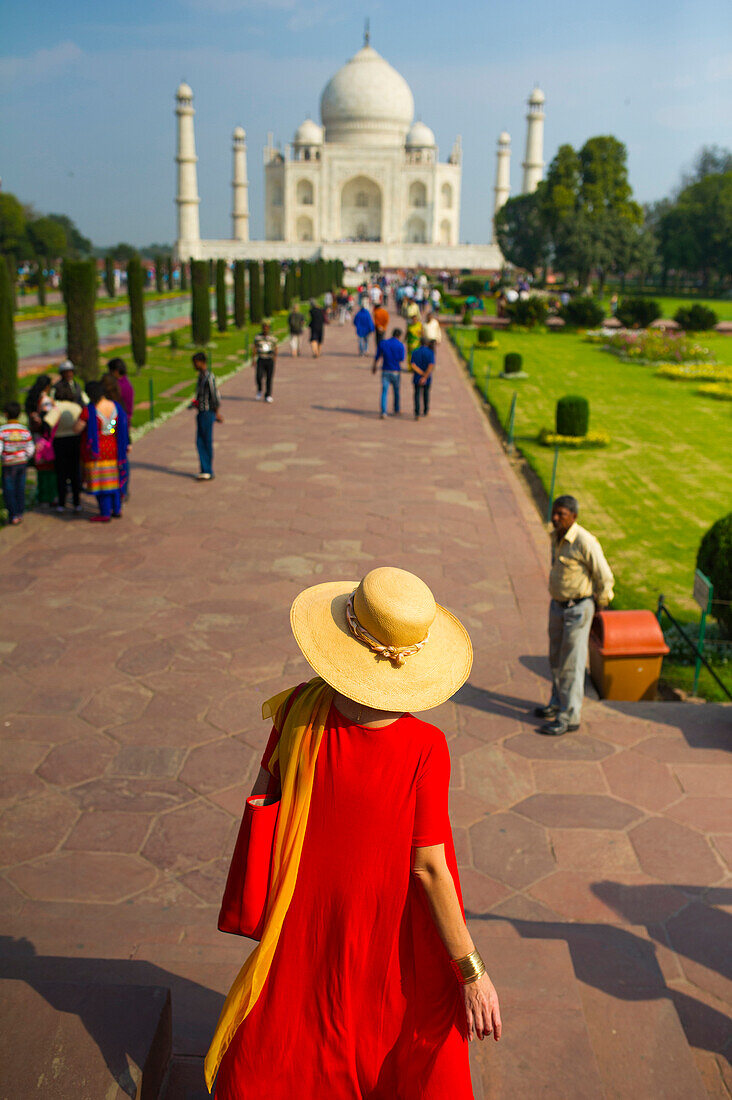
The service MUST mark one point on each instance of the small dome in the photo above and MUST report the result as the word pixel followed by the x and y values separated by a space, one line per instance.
pixel 309 133
pixel 420 137
pixel 184 91
pixel 537 97
pixel 239 134
pixel 504 138
pixel 367 102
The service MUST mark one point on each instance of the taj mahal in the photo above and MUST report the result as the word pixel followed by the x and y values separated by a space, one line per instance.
pixel 365 184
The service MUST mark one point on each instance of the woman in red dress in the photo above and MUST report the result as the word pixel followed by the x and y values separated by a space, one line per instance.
pixel 103 450
pixel 373 987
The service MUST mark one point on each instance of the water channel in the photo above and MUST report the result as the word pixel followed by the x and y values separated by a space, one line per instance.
pixel 49 337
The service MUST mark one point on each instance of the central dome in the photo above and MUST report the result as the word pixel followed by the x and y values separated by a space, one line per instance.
pixel 367 102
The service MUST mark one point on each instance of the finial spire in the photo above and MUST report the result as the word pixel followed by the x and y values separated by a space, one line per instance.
pixel 366 32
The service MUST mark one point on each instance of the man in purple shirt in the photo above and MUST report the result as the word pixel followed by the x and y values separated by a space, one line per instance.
pixel 118 368
pixel 391 354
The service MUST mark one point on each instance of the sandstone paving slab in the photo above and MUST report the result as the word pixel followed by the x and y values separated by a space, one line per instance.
pixel 77 761
pixel 560 776
pixel 589 811
pixel 511 849
pixel 108 832
pixel 35 826
pixel 675 853
pixel 580 747
pixel 588 849
pixel 709 814
pixel 642 780
pixel 702 780
pixel 83 877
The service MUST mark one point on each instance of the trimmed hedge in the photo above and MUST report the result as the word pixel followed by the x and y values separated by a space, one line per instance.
pixel 473 286
pixel 582 312
pixel 8 350
pixel 221 314
pixel 486 336
pixel 79 284
pixel 637 312
pixel 715 561
pixel 573 415
pixel 696 318
pixel 136 295
pixel 240 298
pixel 200 303
pixel 528 312
pixel 513 363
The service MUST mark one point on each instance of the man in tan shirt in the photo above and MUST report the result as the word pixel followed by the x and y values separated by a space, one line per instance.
pixel 579 581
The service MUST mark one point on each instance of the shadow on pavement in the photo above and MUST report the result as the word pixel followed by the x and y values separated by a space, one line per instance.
pixel 495 702
pixel 161 470
pixel 624 965
pixel 371 414
pixel 195 1008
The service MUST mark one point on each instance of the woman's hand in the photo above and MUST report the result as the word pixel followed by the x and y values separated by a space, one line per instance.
pixel 482 1012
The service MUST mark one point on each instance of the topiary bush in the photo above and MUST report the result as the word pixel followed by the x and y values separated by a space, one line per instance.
pixel 573 415
pixel 696 318
pixel 715 561
pixel 637 312
pixel 582 312
pixel 472 286
pixel 485 335
pixel 512 363
pixel 528 312
pixel 468 318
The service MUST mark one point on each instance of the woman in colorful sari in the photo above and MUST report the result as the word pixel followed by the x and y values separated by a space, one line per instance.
pixel 366 984
pixel 103 451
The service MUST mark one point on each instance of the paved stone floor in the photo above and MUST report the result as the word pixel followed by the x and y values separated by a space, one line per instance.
pixel 596 868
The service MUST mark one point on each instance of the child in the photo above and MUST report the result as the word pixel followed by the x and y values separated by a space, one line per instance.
pixel 16 450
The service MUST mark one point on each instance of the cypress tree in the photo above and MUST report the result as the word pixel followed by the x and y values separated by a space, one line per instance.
pixel 269 289
pixel 183 275
pixel 8 350
pixel 240 301
pixel 80 293
pixel 211 273
pixel 255 293
pixel 169 271
pixel 287 289
pixel 304 281
pixel 200 303
pixel 109 276
pixel 136 296
pixel 41 283
pixel 221 317
pixel 159 274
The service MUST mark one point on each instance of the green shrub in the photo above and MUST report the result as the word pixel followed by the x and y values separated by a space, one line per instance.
pixel 240 299
pixel 582 312
pixel 176 340
pixel 513 363
pixel 473 286
pixel 468 317
pixel 255 292
pixel 8 350
pixel 136 295
pixel 696 318
pixel 80 294
pixel 109 280
pixel 573 415
pixel 637 312
pixel 528 312
pixel 200 303
pixel 485 335
pixel 221 314
pixel 715 561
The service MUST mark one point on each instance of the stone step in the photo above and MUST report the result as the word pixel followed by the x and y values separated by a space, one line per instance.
pixel 87 1041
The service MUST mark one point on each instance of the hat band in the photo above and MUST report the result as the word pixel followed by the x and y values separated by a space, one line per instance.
pixel 394 653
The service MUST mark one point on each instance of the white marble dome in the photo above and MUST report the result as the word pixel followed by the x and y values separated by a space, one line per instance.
pixel 184 91
pixel 420 137
pixel 537 97
pixel 367 102
pixel 308 133
pixel 504 138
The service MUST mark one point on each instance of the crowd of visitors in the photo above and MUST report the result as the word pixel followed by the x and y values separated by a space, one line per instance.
pixel 77 439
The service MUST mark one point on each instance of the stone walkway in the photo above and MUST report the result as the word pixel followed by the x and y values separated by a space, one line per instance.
pixel 596 868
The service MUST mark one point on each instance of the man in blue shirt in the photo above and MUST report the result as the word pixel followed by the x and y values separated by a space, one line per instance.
pixel 391 354
pixel 364 327
pixel 423 365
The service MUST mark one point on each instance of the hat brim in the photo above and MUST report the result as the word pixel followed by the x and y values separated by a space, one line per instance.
pixel 426 679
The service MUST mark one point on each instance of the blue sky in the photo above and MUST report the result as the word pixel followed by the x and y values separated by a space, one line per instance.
pixel 88 91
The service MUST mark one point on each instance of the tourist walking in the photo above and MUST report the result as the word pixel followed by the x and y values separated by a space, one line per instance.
pixel 381 323
pixel 67 382
pixel 295 323
pixel 104 448
pixel 317 324
pixel 16 451
pixel 580 580
pixel 206 403
pixel 364 325
pixel 61 420
pixel 38 403
pixel 431 330
pixel 342 300
pixel 391 354
pixel 423 365
pixel 366 981
pixel 265 350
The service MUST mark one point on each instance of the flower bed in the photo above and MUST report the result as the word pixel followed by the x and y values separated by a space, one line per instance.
pixel 656 346
pixel 548 438
pixel 722 391
pixel 695 372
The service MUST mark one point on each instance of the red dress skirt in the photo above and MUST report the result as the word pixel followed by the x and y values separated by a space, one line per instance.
pixel 360 1002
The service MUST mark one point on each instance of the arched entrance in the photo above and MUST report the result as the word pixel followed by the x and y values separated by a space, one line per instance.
pixel 361 210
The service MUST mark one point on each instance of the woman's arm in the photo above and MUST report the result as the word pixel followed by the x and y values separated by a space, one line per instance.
pixel 429 866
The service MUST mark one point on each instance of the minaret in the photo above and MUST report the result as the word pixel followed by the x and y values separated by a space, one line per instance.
pixel 240 188
pixel 534 163
pixel 187 197
pixel 503 171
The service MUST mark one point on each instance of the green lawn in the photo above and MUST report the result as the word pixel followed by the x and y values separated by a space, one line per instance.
pixel 663 480
pixel 721 306
pixel 652 493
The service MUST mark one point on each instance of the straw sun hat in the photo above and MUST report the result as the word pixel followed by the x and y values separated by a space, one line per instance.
pixel 383 641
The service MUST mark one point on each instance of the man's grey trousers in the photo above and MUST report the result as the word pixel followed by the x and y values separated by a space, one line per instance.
pixel 569 631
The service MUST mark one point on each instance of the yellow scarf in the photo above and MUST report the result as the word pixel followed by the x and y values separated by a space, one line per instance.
pixel 297 750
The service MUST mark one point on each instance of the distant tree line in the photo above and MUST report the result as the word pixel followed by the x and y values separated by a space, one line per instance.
pixel 582 220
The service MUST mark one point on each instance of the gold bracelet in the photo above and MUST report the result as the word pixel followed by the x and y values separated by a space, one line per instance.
pixel 469 968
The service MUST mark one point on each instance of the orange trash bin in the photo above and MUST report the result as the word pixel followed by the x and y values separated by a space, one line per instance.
pixel 626 652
